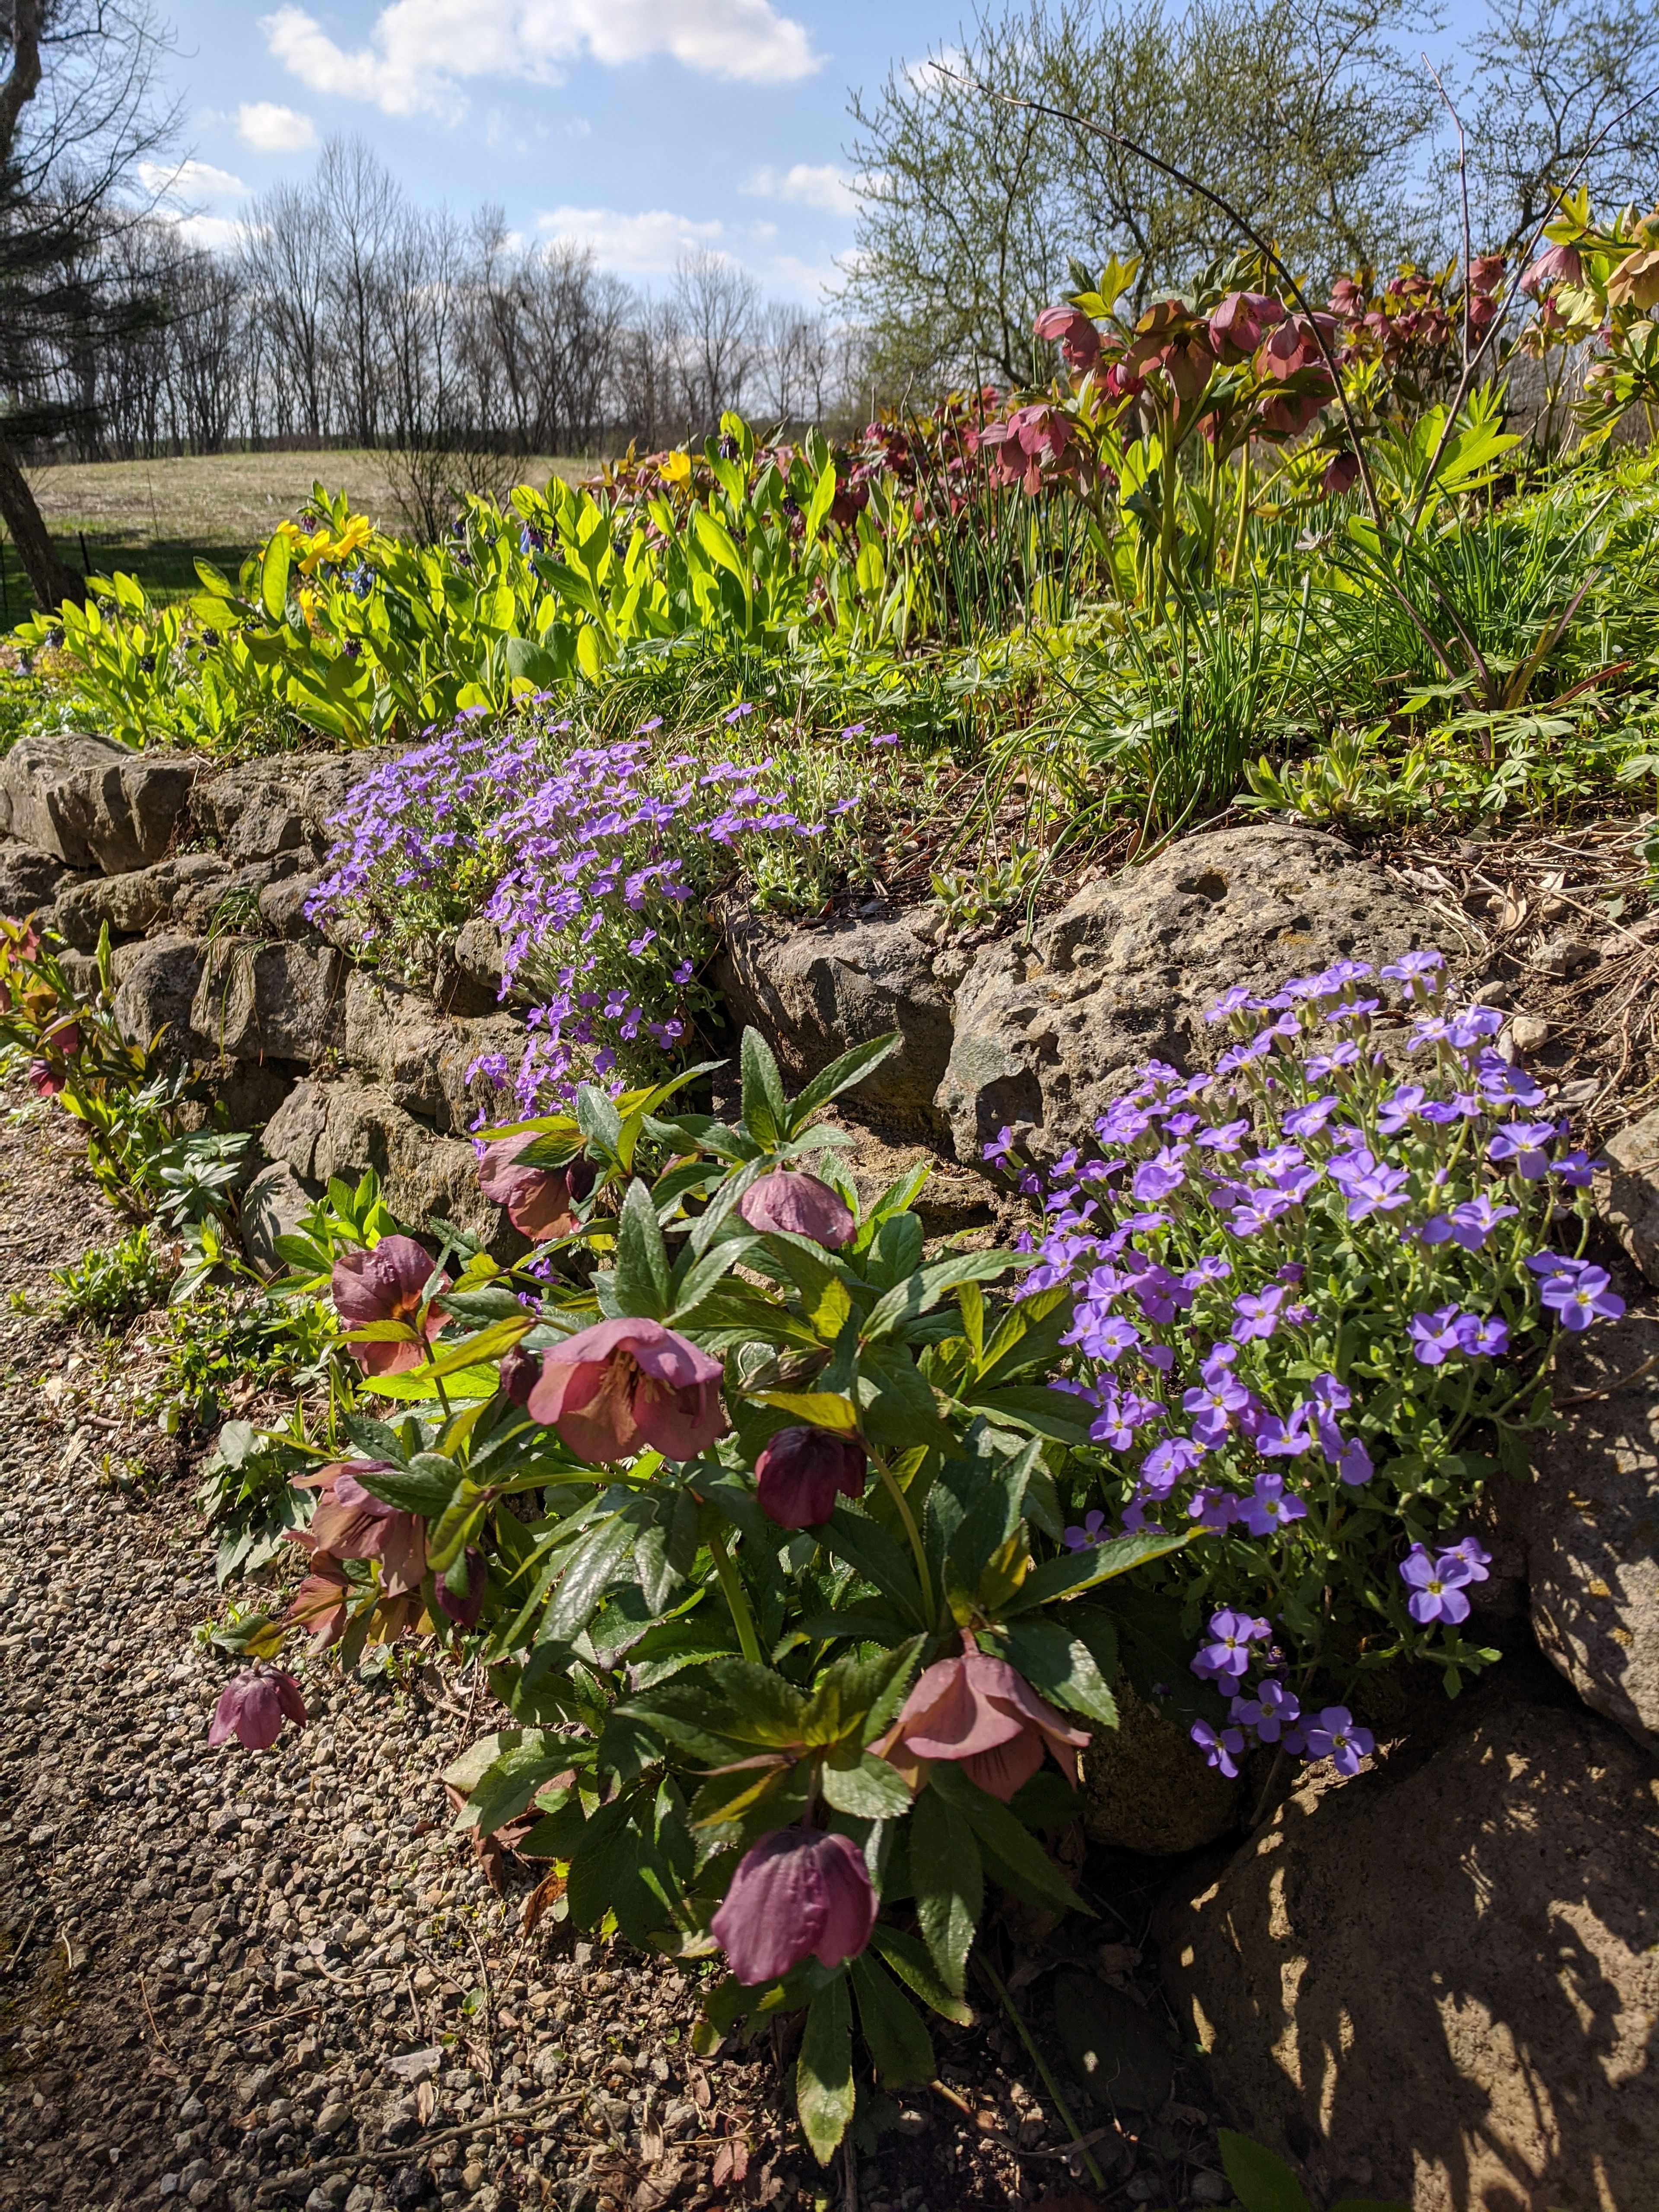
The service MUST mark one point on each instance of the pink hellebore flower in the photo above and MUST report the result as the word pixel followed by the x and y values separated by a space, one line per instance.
pixel 42 1081
pixel 386 1284
pixel 1019 447
pixel 1080 341
pixel 1556 264
pixel 1485 272
pixel 799 1473
pixel 978 1711
pixel 351 1523
pixel 1241 322
pixel 541 1202
pixel 318 1606
pixel 616 1388
pixel 460 1592
pixel 797 1894
pixel 253 1706
pixel 798 1205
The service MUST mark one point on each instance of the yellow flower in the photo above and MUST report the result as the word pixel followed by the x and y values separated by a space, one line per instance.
pixel 675 468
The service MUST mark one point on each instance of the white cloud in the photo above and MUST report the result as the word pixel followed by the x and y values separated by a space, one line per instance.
pixel 189 180
pixel 647 245
pixel 270 128
pixel 823 186
pixel 925 74
pixel 214 233
pixel 420 51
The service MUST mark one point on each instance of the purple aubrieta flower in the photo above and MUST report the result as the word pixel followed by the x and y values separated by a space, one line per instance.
pixel 1334 1735
pixel 1258 1313
pixel 1522 1145
pixel 1230 1002
pixel 1307 1120
pixel 1079 1540
pixel 1222 1750
pixel 1483 1340
pixel 1415 966
pixel 1226 1137
pixel 1215 1510
pixel 1167 1463
pixel 1269 1712
pixel 1226 1656
pixel 1269 1507
pixel 1435 1586
pixel 1584 1296
pixel 1474 1555
pixel 1435 1335
pixel 1574 1169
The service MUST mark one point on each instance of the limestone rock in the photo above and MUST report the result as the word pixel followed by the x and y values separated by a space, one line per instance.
pixel 815 992
pixel 271 1207
pixel 324 782
pixel 155 985
pixel 259 1002
pixel 91 802
pixel 253 810
pixel 28 879
pixel 393 1037
pixel 1627 1191
pixel 952 1200
pixel 185 889
pixel 1049 1031
pixel 282 906
pixel 1439 1984
pixel 342 1128
pixel 1591 1530
pixel 499 1041
pixel 1146 1787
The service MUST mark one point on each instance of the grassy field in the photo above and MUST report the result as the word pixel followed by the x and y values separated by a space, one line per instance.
pixel 154 518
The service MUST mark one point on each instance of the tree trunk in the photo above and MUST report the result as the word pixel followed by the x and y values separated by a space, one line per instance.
pixel 50 580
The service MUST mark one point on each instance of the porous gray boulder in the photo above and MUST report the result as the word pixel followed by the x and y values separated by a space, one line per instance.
pixel 1627 1191
pixel 1145 1786
pixel 343 1127
pixel 253 810
pixel 1050 1030
pixel 814 991
pixel 186 889
pixel 1438 1983
pixel 272 1205
pixel 91 803
pixel 1589 1526
pixel 155 985
pixel 396 1037
pixel 28 879
pixel 264 1001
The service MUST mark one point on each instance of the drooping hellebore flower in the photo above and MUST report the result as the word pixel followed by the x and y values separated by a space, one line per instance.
pixel 800 1472
pixel 540 1202
pixel 977 1711
pixel 612 1389
pixel 318 1606
pixel 518 1375
pixel 351 1523
pixel 460 1591
pixel 1079 340
pixel 1241 322
pixel 797 1894
pixel 1557 265
pixel 386 1284
pixel 253 1707
pixel 798 1205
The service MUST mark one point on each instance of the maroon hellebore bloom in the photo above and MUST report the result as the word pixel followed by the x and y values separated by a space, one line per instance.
pixel 977 1711
pixel 517 1375
pixel 253 1706
pixel 1342 474
pixel 386 1284
pixel 351 1523
pixel 798 1205
pixel 797 1894
pixel 1241 322
pixel 1080 341
pixel 799 1472
pixel 540 1202
pixel 318 1606
pixel 616 1388
pixel 463 1607
pixel 42 1081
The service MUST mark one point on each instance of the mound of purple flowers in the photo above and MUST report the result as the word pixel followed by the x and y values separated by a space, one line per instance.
pixel 1311 1292
pixel 582 857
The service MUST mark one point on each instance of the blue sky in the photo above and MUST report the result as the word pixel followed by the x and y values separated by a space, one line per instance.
pixel 640 124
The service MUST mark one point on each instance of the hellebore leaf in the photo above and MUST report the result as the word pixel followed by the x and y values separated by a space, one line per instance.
pixel 899 2042
pixel 824 2072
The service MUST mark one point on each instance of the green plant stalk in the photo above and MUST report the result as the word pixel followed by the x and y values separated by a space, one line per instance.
pixel 737 1598
pixel 1041 2065
pixel 917 1552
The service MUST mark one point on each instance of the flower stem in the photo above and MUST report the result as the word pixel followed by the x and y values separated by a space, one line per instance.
pixel 1041 2065
pixel 737 1598
pixel 911 1530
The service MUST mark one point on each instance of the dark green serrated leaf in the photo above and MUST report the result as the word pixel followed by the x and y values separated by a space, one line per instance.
pixel 899 2042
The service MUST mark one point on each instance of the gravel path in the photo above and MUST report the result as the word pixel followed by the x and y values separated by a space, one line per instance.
pixel 234 1981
